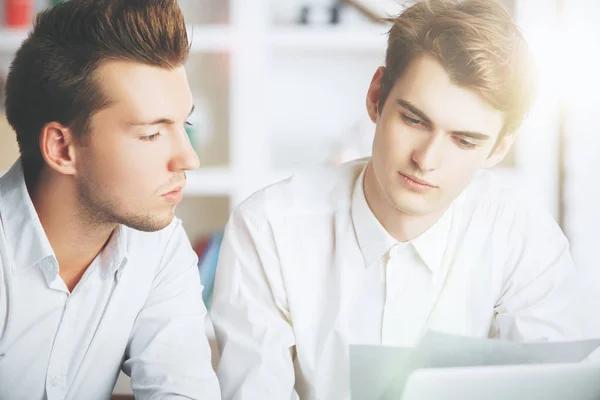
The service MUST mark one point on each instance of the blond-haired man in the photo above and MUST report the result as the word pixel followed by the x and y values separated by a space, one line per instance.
pixel 417 237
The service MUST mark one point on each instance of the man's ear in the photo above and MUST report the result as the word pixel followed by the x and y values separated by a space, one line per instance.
pixel 374 94
pixel 58 148
pixel 500 150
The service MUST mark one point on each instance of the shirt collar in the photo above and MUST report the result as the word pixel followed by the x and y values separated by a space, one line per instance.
pixel 374 241
pixel 23 230
pixel 114 255
pixel 431 244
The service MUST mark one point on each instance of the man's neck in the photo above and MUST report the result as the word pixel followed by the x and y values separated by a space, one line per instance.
pixel 400 225
pixel 75 239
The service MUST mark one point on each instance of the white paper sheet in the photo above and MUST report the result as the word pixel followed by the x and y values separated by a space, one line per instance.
pixel 379 372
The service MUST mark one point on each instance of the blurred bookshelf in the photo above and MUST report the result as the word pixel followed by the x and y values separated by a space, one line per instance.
pixel 370 39
pixel 203 38
pixel 11 39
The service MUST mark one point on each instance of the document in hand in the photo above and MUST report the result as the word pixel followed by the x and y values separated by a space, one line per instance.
pixel 380 372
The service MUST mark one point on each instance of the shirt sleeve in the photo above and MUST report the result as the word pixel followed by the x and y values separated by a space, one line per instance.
pixel 539 295
pixel 168 355
pixel 251 316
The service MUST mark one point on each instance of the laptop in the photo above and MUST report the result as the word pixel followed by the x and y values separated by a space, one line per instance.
pixel 580 381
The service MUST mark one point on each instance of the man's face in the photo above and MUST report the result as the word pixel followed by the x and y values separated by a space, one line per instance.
pixel 432 136
pixel 131 165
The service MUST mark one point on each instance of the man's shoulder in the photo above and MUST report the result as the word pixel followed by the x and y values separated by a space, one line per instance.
pixel 495 197
pixel 318 190
pixel 493 187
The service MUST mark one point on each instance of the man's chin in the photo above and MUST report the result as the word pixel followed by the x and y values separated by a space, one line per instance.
pixel 149 223
pixel 415 208
pixel 409 210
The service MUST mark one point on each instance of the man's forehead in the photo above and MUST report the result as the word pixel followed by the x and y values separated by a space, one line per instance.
pixel 427 86
pixel 143 91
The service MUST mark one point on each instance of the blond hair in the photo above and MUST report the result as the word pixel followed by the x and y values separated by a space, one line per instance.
pixel 477 43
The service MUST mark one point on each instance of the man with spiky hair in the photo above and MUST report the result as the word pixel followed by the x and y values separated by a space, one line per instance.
pixel 96 273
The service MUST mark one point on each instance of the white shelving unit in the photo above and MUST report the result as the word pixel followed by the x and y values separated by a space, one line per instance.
pixel 206 182
pixel 203 38
pixel 330 38
pixel 11 39
pixel 209 182
pixel 209 38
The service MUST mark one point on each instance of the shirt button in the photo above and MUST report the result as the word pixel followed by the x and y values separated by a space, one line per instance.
pixel 54 381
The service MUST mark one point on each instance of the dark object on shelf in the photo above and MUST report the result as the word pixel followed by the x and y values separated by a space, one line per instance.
pixel 335 13
pixel 324 15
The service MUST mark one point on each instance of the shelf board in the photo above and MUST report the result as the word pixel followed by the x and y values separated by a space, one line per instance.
pixel 214 181
pixel 11 39
pixel 356 39
pixel 202 182
pixel 204 38
pixel 209 38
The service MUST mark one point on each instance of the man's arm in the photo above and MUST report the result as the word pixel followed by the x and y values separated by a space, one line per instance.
pixel 168 355
pixel 251 316
pixel 539 298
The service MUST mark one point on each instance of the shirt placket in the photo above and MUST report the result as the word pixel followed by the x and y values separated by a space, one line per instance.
pixel 58 365
pixel 407 298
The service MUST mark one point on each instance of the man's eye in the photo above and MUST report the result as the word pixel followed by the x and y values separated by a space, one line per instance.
pixel 150 138
pixel 411 120
pixel 465 143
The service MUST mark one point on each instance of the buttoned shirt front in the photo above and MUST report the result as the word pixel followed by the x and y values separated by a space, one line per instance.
pixel 306 270
pixel 137 307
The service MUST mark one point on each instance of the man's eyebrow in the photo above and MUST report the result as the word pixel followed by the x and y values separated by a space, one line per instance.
pixel 159 121
pixel 413 109
pixel 472 135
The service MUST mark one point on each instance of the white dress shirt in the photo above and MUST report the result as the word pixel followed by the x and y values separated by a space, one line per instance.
pixel 138 306
pixel 306 270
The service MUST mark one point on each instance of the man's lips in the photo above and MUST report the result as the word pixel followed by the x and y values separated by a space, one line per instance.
pixel 176 189
pixel 419 181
